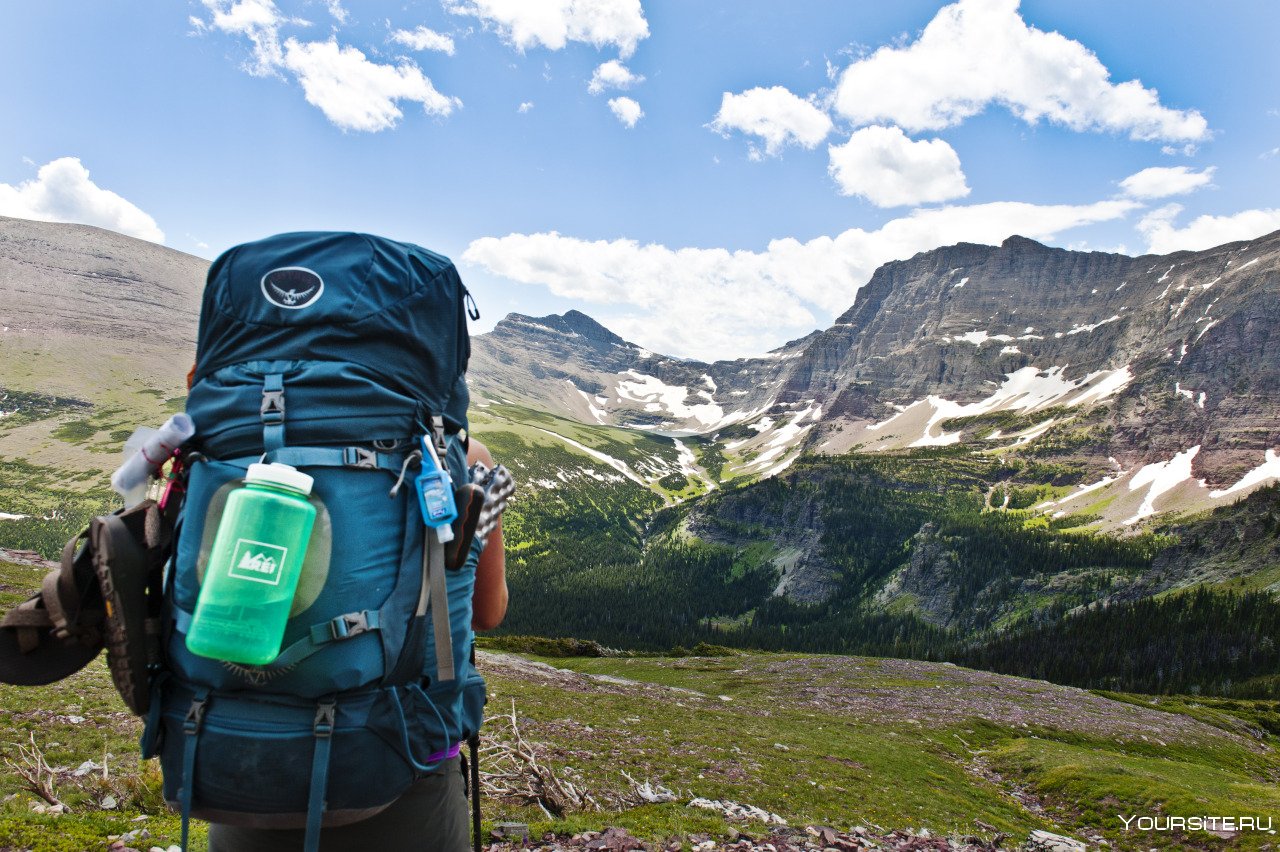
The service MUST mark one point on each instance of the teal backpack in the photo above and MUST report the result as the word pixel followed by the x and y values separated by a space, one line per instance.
pixel 335 353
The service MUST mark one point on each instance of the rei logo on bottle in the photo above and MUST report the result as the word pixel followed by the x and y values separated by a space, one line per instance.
pixel 257 561
pixel 292 287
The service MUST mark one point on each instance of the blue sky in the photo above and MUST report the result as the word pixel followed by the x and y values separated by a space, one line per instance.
pixel 709 179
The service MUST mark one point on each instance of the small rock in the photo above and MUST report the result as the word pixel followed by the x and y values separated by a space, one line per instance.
pixel 109 803
pixel 511 830
pixel 1047 841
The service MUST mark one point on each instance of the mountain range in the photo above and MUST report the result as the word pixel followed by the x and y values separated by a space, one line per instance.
pixel 1173 362
pixel 991 439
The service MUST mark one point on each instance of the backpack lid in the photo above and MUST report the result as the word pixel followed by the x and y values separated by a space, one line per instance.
pixel 395 308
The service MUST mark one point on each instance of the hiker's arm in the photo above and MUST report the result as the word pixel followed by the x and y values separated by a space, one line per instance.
pixel 489 603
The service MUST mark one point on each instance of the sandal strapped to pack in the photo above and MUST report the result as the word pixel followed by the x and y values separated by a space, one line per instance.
pixel 107 592
pixel 129 549
pixel 58 630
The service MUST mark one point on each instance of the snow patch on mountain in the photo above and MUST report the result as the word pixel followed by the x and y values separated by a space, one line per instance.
pixel 617 464
pixel 1028 389
pixel 658 396
pixel 1269 470
pixel 1160 478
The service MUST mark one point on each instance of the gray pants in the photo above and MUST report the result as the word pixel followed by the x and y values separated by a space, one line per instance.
pixel 430 817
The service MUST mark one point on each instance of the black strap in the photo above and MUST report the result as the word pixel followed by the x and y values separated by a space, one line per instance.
pixel 191 728
pixel 473 745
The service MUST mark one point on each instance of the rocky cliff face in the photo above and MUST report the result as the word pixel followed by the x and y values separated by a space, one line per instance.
pixel 1195 334
pixel 1158 374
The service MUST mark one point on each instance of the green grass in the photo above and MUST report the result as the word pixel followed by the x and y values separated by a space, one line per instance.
pixel 841 771
pixel 735 732
pixel 1093 781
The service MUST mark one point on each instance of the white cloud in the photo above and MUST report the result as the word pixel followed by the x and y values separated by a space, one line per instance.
pixel 524 107
pixel 335 9
pixel 882 165
pixel 352 91
pixel 63 192
pixel 357 94
pixel 257 20
pixel 712 303
pixel 612 75
pixel 626 110
pixel 776 115
pixel 1163 236
pixel 424 38
pixel 1159 182
pixel 554 23
pixel 980 52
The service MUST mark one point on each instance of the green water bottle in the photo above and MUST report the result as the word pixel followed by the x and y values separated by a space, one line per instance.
pixel 254 567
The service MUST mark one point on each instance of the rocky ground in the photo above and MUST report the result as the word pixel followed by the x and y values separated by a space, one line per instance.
pixel 807 839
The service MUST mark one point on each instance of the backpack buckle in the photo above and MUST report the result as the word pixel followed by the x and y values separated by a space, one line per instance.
pixel 195 715
pixel 326 719
pixel 360 457
pixel 349 624
pixel 272 409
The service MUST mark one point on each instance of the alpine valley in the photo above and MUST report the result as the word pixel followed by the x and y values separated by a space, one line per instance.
pixel 1021 458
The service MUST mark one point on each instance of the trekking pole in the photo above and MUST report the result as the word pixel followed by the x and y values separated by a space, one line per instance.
pixel 474 744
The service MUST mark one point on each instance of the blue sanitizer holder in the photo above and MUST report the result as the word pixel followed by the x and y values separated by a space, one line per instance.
pixel 435 493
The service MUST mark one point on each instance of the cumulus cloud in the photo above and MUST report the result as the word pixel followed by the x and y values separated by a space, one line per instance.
pixel 357 94
pixel 524 107
pixel 612 75
pixel 626 110
pixel 712 303
pixel 1163 236
pixel 980 52
pixel 776 115
pixel 1159 182
pixel 352 91
pixel 554 23
pixel 63 192
pixel 424 38
pixel 885 167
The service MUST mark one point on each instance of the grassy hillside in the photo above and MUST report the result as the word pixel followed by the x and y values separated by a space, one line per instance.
pixel 819 741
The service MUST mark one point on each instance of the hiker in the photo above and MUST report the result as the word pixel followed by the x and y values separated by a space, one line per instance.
pixel 432 815
pixel 295 617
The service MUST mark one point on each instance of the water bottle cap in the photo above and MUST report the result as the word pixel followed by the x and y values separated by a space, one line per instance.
pixel 276 473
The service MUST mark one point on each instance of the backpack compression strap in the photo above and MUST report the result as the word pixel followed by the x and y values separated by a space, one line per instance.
pixel 434 587
pixel 326 721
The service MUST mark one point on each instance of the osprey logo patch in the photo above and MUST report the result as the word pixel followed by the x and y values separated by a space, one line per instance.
pixel 292 287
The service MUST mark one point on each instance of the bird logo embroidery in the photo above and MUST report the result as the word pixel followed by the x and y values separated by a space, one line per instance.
pixel 292 287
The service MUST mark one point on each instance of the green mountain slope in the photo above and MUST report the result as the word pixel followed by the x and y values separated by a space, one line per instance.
pixel 877 744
